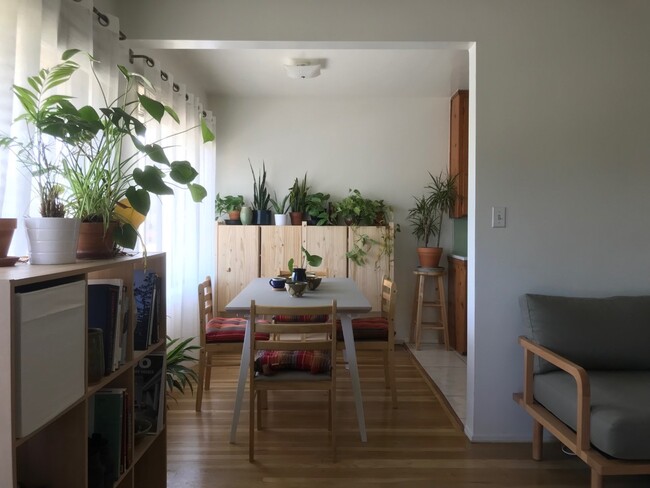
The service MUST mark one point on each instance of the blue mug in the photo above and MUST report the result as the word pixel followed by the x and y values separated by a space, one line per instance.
pixel 278 282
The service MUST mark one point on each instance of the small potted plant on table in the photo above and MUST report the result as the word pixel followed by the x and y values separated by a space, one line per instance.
pixel 300 273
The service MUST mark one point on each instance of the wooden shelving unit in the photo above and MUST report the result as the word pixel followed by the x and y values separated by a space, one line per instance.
pixel 55 454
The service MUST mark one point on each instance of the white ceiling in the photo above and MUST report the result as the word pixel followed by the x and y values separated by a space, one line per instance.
pixel 345 72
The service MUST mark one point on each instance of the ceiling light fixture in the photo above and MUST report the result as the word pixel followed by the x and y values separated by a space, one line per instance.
pixel 302 69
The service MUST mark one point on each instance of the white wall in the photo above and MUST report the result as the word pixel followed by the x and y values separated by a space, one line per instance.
pixel 383 147
pixel 560 137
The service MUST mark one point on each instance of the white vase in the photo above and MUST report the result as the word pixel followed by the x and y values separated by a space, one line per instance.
pixel 281 219
pixel 52 240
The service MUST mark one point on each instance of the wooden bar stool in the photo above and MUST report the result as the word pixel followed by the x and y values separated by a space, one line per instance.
pixel 419 303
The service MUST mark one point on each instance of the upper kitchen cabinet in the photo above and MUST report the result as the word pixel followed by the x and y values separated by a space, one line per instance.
pixel 458 149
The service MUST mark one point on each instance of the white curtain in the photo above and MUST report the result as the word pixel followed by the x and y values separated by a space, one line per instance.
pixel 34 34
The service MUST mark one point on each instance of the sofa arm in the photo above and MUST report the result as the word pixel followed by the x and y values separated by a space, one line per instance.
pixel 532 349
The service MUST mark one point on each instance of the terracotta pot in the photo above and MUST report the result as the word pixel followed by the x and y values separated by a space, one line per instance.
pixel 7 227
pixel 429 256
pixel 234 215
pixel 296 218
pixel 94 243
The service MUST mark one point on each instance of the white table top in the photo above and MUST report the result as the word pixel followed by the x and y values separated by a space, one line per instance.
pixel 349 298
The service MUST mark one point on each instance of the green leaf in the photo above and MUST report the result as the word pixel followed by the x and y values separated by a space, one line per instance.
pixel 290 265
pixel 182 172
pixel 124 71
pixel 153 107
pixel 69 53
pixel 197 191
pixel 206 133
pixel 139 199
pixel 172 113
pixel 126 236
pixel 156 153
pixel 151 179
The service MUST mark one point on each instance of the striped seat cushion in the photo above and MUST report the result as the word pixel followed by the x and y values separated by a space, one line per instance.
pixel 269 362
pixel 228 329
pixel 366 329
pixel 282 319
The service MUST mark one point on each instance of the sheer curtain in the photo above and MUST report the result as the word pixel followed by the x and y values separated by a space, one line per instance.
pixel 34 34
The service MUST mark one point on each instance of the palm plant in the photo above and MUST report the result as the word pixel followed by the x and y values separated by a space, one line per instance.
pixel 37 151
pixel 426 216
pixel 280 207
pixel 178 375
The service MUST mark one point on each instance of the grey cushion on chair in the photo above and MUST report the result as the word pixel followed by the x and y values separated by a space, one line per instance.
pixel 596 333
pixel 620 408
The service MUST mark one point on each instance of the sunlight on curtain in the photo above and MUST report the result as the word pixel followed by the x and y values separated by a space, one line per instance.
pixel 34 34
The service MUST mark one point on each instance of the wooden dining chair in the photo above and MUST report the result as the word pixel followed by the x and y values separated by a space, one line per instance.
pixel 284 364
pixel 219 336
pixel 377 333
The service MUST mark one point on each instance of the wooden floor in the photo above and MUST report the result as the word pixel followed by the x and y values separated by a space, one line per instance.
pixel 418 445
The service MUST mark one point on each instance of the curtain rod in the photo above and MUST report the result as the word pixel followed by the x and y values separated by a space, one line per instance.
pixel 104 21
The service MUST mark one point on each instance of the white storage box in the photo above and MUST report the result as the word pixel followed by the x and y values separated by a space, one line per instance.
pixel 50 353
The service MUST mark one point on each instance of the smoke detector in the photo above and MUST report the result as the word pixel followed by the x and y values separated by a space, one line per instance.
pixel 302 69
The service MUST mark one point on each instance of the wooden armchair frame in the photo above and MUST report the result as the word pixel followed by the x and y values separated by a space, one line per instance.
pixel 579 441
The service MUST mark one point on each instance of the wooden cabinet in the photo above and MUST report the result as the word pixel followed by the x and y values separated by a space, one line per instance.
pixel 458 150
pixel 55 451
pixel 457 298
pixel 249 251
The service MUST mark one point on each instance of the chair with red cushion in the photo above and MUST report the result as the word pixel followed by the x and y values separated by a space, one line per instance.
pixel 377 333
pixel 285 364
pixel 219 336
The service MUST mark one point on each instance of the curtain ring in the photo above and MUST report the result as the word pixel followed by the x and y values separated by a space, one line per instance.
pixel 163 75
pixel 150 62
pixel 101 18
pixel 175 87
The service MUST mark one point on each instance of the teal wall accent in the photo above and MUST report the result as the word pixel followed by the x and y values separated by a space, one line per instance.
pixel 460 237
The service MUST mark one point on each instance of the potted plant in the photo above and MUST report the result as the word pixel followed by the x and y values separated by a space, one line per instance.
pixel 317 208
pixel 280 208
pixel 355 209
pixel 102 174
pixel 261 197
pixel 179 374
pixel 300 274
pixel 427 214
pixel 7 228
pixel 298 200
pixel 230 204
pixel 52 238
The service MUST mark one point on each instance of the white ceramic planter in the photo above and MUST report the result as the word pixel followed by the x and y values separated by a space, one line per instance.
pixel 52 240
pixel 281 219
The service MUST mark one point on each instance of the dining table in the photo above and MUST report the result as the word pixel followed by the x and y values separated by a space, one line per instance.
pixel 350 301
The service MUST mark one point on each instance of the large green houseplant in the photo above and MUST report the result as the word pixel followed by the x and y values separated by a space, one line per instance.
pixel 427 215
pixel 298 200
pixel 104 152
pixel 52 237
pixel 261 196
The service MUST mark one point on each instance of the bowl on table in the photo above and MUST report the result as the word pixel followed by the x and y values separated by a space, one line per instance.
pixel 295 288
pixel 313 282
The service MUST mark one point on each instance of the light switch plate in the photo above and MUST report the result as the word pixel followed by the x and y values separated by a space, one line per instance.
pixel 498 216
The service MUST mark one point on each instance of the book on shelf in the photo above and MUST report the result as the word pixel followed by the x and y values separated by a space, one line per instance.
pixel 108 422
pixel 104 314
pixel 144 295
pixel 120 317
pixel 149 401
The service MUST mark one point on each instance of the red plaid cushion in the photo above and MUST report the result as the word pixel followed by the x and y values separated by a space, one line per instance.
pixel 228 329
pixel 268 362
pixel 366 329
pixel 281 319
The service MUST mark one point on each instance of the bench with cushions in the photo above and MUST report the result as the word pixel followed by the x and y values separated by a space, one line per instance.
pixel 587 379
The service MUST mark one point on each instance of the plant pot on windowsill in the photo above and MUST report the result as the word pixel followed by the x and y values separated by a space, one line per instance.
pixel 52 240
pixel 7 227
pixel 96 240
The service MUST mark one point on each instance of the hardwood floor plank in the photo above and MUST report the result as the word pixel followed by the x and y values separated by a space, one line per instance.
pixel 420 444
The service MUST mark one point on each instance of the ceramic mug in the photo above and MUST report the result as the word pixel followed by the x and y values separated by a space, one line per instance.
pixel 278 282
